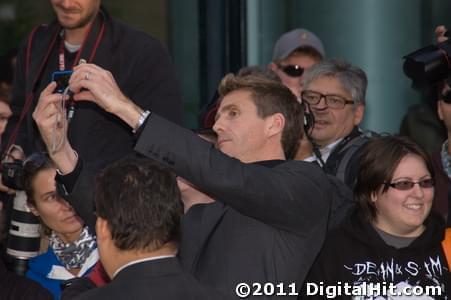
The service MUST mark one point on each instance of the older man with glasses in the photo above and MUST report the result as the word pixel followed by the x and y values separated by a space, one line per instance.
pixel 334 92
pixel 295 52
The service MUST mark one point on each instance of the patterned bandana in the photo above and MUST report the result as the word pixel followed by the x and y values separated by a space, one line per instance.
pixel 73 255
pixel 446 159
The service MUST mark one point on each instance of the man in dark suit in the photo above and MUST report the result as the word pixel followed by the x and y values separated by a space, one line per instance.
pixel 138 226
pixel 270 215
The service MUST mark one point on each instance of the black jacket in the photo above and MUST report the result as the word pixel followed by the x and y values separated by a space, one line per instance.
pixel 267 225
pixel 140 65
pixel 442 196
pixel 269 220
pixel 344 160
pixel 355 253
pixel 15 287
pixel 157 279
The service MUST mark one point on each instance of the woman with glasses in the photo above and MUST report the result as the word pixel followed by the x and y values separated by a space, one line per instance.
pixel 392 238
pixel 72 250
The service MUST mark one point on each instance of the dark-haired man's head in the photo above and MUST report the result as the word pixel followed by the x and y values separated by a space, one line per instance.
pixel 138 212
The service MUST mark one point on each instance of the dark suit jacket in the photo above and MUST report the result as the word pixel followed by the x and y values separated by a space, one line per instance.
pixel 15 287
pixel 268 223
pixel 155 279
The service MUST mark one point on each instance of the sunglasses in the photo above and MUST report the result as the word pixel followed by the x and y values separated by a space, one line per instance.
pixel 291 70
pixel 406 185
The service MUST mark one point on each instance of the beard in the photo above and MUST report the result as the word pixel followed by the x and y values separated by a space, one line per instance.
pixel 72 24
pixel 80 24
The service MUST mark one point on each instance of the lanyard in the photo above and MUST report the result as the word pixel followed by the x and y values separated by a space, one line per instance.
pixel 61 56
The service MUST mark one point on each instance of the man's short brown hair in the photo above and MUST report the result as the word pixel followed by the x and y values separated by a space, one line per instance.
pixel 271 97
pixel 141 202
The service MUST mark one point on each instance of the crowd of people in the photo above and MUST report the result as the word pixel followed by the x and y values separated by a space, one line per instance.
pixel 280 188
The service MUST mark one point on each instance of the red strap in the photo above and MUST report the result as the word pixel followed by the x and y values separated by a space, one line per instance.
pixel 98 275
pixel 29 97
pixel 28 55
pixel 80 51
pixel 96 45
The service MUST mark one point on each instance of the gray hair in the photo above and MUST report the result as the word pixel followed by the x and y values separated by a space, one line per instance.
pixel 352 78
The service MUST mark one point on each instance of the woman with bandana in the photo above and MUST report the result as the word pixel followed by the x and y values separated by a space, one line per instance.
pixel 72 250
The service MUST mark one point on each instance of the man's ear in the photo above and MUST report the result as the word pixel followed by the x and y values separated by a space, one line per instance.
pixel 359 112
pixel 273 67
pixel 102 230
pixel 276 123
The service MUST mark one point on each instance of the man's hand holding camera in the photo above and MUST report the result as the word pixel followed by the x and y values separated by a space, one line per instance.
pixel 47 116
pixel 92 83
pixel 88 83
pixel 440 32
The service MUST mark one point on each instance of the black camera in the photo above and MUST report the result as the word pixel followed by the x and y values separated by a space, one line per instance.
pixel 24 236
pixel 12 174
pixel 62 80
pixel 429 65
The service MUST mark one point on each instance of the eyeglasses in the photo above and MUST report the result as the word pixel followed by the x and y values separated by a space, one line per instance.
pixel 291 70
pixel 406 185
pixel 332 101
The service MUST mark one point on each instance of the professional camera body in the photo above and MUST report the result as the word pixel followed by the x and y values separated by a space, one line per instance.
pixel 24 236
pixel 12 174
pixel 429 65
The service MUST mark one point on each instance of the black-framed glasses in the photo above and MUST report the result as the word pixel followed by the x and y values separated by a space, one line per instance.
pixel 332 101
pixel 405 185
pixel 292 70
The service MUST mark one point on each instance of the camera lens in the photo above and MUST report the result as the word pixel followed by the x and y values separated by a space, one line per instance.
pixel 24 233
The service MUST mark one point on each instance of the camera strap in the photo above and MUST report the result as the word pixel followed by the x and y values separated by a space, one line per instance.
pixel 29 95
pixel 87 44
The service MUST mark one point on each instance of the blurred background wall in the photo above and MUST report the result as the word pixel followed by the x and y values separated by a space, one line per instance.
pixel 209 38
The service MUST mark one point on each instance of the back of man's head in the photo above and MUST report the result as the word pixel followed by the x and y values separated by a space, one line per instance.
pixel 140 201
pixel 270 97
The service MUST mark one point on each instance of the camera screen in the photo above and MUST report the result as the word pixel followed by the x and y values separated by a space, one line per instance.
pixel 62 80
